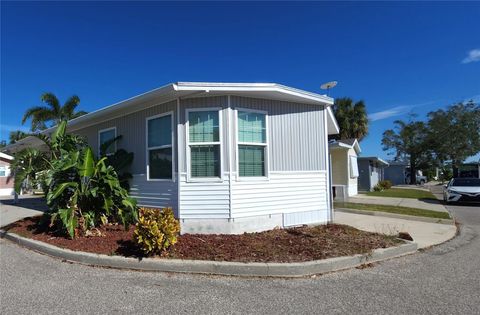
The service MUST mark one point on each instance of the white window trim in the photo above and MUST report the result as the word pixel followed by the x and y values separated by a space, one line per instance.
pixel 188 144
pixel 350 167
pixel 147 148
pixel 265 145
pixel 115 135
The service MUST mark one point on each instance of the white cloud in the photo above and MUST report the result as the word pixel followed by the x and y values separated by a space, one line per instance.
pixel 395 111
pixel 473 56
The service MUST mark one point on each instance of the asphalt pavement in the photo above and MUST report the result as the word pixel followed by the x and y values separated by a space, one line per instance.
pixel 442 280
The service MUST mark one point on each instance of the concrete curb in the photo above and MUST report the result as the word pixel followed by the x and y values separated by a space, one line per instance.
pixel 397 216
pixel 289 270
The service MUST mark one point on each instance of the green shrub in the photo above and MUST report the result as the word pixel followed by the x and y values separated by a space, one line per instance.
pixel 385 184
pixel 377 187
pixel 156 230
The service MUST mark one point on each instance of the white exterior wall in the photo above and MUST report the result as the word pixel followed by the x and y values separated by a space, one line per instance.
pixel 341 170
pixel 295 190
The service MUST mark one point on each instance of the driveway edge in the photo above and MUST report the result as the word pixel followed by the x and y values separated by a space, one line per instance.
pixel 289 270
pixel 397 216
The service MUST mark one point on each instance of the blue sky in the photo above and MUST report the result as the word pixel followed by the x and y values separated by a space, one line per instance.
pixel 397 57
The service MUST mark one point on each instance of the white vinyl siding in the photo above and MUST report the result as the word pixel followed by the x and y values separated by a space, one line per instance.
pixel 159 147
pixel 285 192
pixel 105 136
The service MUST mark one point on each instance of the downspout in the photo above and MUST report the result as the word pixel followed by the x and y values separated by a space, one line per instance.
pixel 178 158
pixel 330 215
pixel 230 155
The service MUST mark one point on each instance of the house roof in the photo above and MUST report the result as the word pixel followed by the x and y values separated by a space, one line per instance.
pixel 173 91
pixel 374 159
pixel 347 144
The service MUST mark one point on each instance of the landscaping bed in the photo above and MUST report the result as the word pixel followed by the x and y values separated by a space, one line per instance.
pixel 278 245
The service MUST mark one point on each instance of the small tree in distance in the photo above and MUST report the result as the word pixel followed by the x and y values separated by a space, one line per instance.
pixel 454 133
pixel 408 141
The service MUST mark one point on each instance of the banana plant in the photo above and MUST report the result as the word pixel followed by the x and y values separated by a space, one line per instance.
pixel 26 165
pixel 120 160
pixel 88 193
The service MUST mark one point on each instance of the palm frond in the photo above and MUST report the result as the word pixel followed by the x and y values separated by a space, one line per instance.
pixel 33 111
pixel 78 114
pixel 52 101
pixel 68 108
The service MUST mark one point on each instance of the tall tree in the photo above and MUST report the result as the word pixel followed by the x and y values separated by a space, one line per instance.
pixel 16 135
pixel 351 117
pixel 53 112
pixel 455 133
pixel 408 141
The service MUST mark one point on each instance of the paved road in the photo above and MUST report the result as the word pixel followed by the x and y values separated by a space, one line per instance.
pixel 442 280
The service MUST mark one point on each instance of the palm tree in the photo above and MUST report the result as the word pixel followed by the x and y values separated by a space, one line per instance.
pixel 53 112
pixel 352 119
pixel 27 165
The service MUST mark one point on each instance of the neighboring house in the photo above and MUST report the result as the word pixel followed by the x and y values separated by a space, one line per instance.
pixel 6 186
pixel 371 171
pixel 397 172
pixel 228 157
pixel 343 154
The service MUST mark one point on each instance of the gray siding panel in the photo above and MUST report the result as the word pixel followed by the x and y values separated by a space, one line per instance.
pixel 132 128
pixel 296 133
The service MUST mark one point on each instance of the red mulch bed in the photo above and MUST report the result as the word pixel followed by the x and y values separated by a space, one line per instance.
pixel 279 245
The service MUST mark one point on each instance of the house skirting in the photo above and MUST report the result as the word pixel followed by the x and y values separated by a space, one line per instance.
pixel 252 224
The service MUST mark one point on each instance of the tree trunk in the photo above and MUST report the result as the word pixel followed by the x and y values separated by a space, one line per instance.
pixel 455 170
pixel 413 172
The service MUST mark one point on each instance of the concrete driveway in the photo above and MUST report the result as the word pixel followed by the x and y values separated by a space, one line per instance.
pixel 27 206
pixel 441 280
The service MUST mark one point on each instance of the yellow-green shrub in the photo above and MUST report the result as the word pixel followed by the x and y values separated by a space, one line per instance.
pixel 156 230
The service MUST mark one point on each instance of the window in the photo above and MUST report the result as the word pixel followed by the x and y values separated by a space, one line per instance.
pixel 3 171
pixel 252 143
pixel 204 143
pixel 104 137
pixel 159 147
pixel 353 167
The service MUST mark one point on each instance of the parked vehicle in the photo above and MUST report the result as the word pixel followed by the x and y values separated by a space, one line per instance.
pixel 462 189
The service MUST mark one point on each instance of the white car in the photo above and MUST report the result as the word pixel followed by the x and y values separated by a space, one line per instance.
pixel 462 189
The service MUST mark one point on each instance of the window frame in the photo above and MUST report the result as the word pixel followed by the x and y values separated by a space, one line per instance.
pixel 351 167
pixel 5 169
pixel 147 148
pixel 114 128
pixel 264 145
pixel 188 144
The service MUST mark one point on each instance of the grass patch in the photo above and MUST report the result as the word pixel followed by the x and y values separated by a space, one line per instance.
pixel 403 193
pixel 394 209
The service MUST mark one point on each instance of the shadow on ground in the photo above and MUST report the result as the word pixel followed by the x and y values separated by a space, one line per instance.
pixel 28 202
